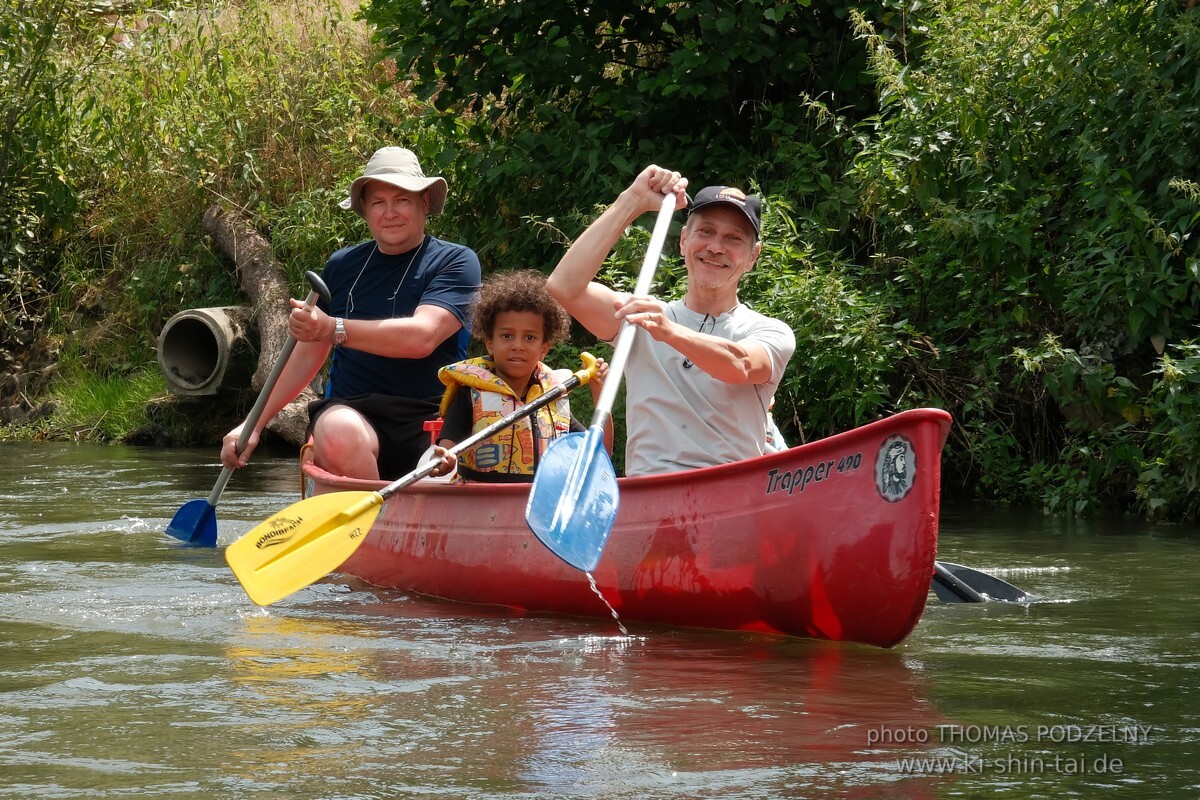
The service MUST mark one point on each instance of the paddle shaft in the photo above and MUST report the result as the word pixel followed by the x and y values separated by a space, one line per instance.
pixel 273 378
pixel 572 507
pixel 427 469
pixel 624 344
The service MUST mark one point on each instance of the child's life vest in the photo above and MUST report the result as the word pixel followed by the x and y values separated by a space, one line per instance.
pixel 516 449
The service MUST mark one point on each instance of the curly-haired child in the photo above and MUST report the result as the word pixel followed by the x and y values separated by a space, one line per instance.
pixel 518 322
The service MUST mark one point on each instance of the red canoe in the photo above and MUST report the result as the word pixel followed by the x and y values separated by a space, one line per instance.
pixel 834 539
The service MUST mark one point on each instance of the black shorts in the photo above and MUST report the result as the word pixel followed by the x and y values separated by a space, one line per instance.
pixel 399 423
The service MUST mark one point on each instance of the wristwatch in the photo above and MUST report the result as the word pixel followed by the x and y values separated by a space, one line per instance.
pixel 339 331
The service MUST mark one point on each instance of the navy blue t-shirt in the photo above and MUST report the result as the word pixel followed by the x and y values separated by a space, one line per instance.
pixel 365 283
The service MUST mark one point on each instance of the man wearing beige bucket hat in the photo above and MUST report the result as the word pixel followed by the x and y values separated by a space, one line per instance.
pixel 399 310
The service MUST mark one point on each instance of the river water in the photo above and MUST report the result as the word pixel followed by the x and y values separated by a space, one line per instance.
pixel 134 666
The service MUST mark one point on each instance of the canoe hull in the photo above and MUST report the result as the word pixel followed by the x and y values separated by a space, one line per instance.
pixel 835 540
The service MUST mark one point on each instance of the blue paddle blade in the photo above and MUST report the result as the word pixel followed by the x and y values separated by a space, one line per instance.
pixel 195 523
pixel 573 502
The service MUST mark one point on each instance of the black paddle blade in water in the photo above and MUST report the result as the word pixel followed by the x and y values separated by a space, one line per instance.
pixel 954 583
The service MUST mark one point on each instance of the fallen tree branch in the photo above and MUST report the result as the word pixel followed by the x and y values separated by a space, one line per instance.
pixel 264 282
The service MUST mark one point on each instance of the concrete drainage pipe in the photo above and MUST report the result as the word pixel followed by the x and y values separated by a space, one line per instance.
pixel 207 351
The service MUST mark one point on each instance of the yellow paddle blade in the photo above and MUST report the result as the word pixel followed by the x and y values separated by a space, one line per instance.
pixel 301 544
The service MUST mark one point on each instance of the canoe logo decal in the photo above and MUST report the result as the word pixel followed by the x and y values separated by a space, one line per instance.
pixel 280 532
pixel 895 468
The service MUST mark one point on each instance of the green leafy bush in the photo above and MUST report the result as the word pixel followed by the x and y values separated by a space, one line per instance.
pixel 1027 186
pixel 989 208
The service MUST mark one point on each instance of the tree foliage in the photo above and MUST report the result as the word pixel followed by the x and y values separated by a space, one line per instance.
pixel 1029 183
pixel 560 103
pixel 987 207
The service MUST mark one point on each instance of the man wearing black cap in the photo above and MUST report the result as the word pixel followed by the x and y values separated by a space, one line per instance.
pixel 700 384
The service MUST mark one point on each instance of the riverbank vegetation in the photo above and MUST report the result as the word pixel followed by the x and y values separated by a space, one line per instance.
pixel 989 208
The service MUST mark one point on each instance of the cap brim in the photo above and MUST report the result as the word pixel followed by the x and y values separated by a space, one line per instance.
pixel 728 204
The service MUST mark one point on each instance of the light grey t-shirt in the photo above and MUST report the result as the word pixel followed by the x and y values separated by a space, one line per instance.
pixel 678 416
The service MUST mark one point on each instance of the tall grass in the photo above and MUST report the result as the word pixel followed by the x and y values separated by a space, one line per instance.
pixel 103 408
pixel 265 107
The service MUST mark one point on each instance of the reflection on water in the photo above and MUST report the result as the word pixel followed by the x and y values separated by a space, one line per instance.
pixel 133 665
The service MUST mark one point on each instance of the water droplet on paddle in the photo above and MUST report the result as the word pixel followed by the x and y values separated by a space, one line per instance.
pixel 596 589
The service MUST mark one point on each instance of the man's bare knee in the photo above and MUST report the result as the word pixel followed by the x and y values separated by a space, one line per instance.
pixel 344 443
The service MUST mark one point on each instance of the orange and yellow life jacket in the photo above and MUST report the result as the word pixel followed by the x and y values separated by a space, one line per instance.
pixel 516 449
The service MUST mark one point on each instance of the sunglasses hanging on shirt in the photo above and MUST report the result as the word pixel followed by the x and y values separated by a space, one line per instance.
pixel 687 364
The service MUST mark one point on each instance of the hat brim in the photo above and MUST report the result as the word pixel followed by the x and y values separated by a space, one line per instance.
pixel 436 186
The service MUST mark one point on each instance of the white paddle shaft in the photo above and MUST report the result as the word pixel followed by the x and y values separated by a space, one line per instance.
pixel 616 369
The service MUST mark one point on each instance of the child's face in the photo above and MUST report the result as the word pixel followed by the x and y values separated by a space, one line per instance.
pixel 517 343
